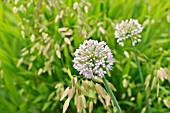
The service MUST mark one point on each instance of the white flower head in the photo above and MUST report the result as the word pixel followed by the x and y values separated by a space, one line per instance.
pixel 128 29
pixel 93 58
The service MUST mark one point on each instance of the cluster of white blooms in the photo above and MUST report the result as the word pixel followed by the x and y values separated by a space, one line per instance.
pixel 93 58
pixel 128 29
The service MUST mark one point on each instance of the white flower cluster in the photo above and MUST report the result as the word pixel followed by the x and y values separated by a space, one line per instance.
pixel 128 29
pixel 93 58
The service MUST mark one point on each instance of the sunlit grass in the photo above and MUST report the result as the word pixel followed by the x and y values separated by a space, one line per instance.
pixel 30 87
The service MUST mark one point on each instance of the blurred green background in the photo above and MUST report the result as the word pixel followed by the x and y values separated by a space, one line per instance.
pixel 38 39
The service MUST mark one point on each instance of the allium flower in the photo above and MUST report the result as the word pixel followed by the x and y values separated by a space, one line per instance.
pixel 128 29
pixel 93 58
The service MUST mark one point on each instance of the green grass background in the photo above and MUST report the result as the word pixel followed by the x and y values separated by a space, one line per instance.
pixel 24 91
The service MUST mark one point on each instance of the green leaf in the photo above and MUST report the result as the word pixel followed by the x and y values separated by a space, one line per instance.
pixel 46 105
pixel 6 106
pixel 139 100
pixel 9 85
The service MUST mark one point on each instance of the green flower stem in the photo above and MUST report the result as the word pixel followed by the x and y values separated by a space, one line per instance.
pixel 112 95
pixel 142 80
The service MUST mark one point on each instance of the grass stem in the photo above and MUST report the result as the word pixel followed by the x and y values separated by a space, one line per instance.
pixel 142 80
pixel 112 95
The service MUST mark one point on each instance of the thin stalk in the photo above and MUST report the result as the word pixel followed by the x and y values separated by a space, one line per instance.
pixel 112 95
pixel 142 80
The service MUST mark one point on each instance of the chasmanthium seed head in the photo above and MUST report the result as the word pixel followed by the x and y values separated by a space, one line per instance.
pixel 128 29
pixel 93 58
